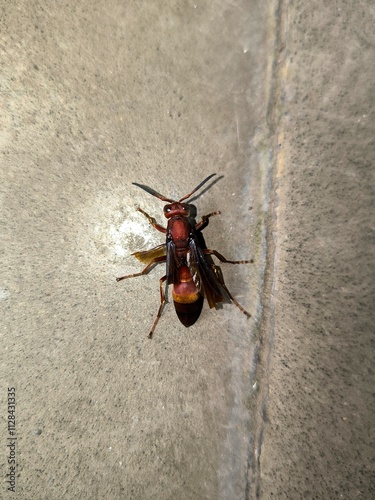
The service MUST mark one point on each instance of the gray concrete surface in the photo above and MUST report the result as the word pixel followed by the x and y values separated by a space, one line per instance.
pixel 275 97
pixel 96 96
pixel 319 417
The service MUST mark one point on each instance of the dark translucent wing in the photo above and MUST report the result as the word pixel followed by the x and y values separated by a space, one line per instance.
pixel 171 271
pixel 204 277
pixel 147 256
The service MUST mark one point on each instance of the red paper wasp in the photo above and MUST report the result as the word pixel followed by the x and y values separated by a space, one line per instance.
pixel 188 269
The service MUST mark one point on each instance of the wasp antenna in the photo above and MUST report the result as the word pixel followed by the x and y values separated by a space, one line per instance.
pixel 196 189
pixel 153 192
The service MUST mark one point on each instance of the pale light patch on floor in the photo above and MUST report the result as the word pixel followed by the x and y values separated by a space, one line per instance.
pixel 116 230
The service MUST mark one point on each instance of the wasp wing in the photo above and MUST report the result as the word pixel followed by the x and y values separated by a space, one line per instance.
pixel 203 275
pixel 172 261
pixel 147 256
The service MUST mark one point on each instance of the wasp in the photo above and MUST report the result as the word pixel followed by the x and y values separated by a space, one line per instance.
pixel 189 267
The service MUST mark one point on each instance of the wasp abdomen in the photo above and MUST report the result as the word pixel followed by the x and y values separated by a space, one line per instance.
pixel 187 299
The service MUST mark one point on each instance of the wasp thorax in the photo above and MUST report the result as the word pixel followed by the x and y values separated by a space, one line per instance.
pixel 174 209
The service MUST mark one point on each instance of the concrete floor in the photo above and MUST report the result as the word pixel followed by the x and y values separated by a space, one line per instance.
pixel 277 98
pixel 319 424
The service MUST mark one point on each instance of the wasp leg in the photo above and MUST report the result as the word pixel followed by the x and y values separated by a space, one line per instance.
pixel 223 259
pixel 204 220
pixel 220 279
pixel 147 269
pixel 161 307
pixel 152 221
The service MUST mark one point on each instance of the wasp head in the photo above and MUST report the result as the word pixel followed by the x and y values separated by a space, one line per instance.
pixel 176 208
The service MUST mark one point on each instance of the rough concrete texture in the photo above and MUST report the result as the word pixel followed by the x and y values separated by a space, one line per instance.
pixel 97 95
pixel 319 426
